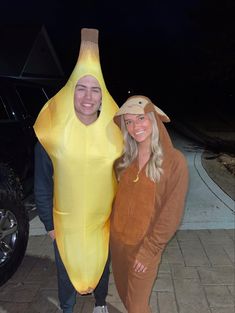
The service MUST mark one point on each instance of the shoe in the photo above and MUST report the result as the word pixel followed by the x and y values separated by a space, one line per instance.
pixel 101 309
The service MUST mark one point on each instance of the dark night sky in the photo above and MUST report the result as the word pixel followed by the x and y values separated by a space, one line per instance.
pixel 167 49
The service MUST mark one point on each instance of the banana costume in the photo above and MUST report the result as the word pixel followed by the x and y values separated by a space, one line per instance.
pixel 84 182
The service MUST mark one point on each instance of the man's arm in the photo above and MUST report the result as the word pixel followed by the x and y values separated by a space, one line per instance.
pixel 43 187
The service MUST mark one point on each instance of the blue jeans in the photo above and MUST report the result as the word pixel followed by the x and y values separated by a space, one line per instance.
pixel 67 293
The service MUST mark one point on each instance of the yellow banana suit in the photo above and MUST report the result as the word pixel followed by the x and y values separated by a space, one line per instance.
pixel 84 181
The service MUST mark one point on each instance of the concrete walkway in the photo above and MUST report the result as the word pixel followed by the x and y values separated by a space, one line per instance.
pixel 207 205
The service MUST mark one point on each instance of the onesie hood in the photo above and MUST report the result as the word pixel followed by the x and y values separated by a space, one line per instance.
pixel 141 105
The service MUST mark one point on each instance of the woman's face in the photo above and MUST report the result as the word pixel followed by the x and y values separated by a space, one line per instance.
pixel 139 126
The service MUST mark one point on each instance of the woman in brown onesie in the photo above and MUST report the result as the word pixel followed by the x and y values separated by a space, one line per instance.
pixel 153 182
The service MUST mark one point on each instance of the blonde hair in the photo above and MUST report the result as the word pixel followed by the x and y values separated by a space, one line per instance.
pixel 130 151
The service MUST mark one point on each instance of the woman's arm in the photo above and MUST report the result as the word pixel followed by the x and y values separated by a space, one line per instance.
pixel 167 222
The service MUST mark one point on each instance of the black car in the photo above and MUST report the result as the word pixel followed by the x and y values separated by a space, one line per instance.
pixel 20 102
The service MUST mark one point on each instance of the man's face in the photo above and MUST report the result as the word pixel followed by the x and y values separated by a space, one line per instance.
pixel 87 99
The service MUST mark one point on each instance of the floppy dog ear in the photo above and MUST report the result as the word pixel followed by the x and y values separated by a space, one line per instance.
pixel 150 107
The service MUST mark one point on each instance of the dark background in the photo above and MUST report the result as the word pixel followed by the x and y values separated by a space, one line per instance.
pixel 179 53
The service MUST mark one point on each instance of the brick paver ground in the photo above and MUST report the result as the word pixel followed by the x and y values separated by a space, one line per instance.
pixel 196 275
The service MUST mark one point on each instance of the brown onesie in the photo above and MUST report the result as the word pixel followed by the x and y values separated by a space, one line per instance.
pixel 145 217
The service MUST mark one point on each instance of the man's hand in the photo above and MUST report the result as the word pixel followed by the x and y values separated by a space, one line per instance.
pixel 139 267
pixel 51 233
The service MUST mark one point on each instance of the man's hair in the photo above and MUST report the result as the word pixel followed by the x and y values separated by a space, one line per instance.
pixel 130 151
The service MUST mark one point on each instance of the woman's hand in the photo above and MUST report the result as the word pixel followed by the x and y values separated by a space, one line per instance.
pixel 139 267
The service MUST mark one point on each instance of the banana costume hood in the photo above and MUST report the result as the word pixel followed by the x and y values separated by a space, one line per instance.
pixel 84 183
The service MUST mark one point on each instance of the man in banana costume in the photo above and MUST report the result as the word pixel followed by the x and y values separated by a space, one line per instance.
pixel 74 179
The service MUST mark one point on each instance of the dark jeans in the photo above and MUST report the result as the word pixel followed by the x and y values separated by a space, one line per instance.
pixel 66 291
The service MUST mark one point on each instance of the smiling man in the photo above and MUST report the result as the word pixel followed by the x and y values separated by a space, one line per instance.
pixel 87 99
pixel 74 179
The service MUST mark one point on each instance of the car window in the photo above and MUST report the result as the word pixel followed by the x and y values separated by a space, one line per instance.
pixel 52 90
pixel 3 112
pixel 32 99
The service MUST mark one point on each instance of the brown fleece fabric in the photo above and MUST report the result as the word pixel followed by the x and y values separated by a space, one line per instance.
pixel 145 217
